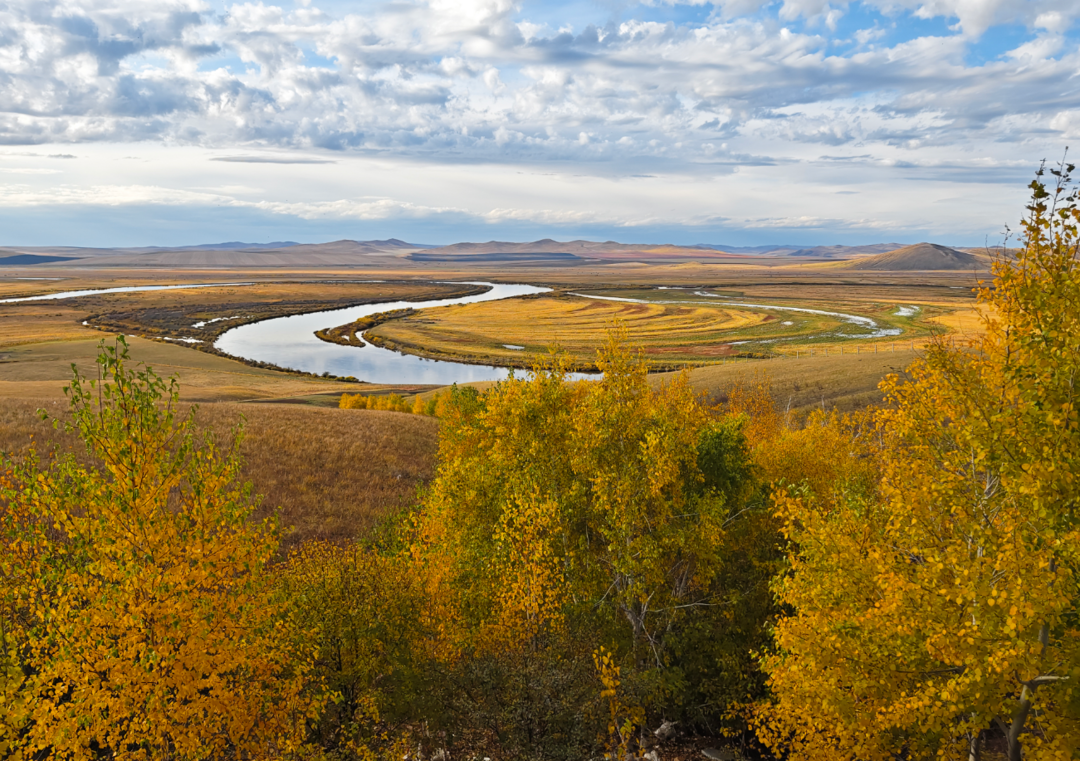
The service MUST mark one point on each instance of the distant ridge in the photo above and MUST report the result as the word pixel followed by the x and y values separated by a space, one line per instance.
pixel 229 246
pixel 586 249
pixel 501 256
pixel 612 249
pixel 921 256
pixel 31 259
pixel 846 252
pixel 339 253
pixel 820 252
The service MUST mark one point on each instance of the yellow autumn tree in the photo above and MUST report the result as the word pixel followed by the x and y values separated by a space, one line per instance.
pixel 361 609
pixel 933 611
pixel 566 515
pixel 549 490
pixel 137 620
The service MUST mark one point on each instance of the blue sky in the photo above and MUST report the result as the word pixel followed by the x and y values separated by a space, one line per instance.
pixel 139 122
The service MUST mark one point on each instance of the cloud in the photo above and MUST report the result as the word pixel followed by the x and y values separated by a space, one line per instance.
pixel 477 80
pixel 666 90
pixel 820 223
pixel 271 160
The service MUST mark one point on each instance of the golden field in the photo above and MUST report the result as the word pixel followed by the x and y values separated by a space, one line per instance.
pixel 327 474
pixel 675 328
pixel 485 332
pixel 40 340
pixel 41 370
pixel 333 473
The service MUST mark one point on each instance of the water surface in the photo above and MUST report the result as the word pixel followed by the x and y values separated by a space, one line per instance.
pixel 291 342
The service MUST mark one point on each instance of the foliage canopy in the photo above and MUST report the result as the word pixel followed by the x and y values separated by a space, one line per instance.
pixel 933 608
pixel 136 615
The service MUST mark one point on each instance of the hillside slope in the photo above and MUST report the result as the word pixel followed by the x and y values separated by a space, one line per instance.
pixel 921 256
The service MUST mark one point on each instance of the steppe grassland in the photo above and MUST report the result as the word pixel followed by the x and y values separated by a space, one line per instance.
pixel 41 370
pixel 844 382
pixel 328 474
pixel 360 465
pixel 965 322
pixel 36 321
pixel 921 309
pixel 685 326
pixel 40 340
pixel 61 320
pixel 484 331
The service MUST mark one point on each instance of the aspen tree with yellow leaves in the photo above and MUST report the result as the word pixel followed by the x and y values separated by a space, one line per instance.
pixel 568 515
pixel 932 609
pixel 136 614
pixel 362 610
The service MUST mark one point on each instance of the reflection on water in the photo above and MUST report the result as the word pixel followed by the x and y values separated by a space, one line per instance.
pixel 290 342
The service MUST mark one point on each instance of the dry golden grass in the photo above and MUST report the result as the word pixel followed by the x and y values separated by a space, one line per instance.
pixel 965 322
pixel 845 382
pixel 668 333
pixel 695 331
pixel 43 369
pixel 39 321
pixel 331 474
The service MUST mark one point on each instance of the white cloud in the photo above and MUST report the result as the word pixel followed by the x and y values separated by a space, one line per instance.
pixel 454 82
pixel 446 76
pixel 1067 123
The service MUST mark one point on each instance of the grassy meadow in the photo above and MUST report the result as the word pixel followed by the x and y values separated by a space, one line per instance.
pixel 40 340
pixel 358 466
pixel 686 327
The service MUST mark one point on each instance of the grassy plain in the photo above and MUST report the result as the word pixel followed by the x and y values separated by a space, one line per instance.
pixel 332 472
pixel 843 382
pixel 328 474
pixel 38 340
pixel 41 370
pixel 677 327
pixel 506 332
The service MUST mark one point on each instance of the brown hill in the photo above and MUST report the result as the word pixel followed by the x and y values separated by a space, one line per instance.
pixel 921 256
pixel 584 249
pixel 842 252
pixel 338 253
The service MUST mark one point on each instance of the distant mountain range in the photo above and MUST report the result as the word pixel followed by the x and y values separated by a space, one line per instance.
pixel 614 250
pixel 546 252
pixel 341 253
pixel 824 252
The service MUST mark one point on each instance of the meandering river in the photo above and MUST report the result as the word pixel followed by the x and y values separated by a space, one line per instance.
pixel 290 342
pixel 123 289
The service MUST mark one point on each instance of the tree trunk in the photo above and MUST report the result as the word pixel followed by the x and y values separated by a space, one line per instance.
pixel 974 745
pixel 1016 751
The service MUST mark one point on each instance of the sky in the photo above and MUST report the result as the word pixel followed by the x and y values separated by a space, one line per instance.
pixel 737 122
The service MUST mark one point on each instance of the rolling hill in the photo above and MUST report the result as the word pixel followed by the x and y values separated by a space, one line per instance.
pixel 606 251
pixel 22 260
pixel 921 256
pixel 339 253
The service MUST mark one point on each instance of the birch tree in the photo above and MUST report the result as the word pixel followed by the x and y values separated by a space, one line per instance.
pixel 933 612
